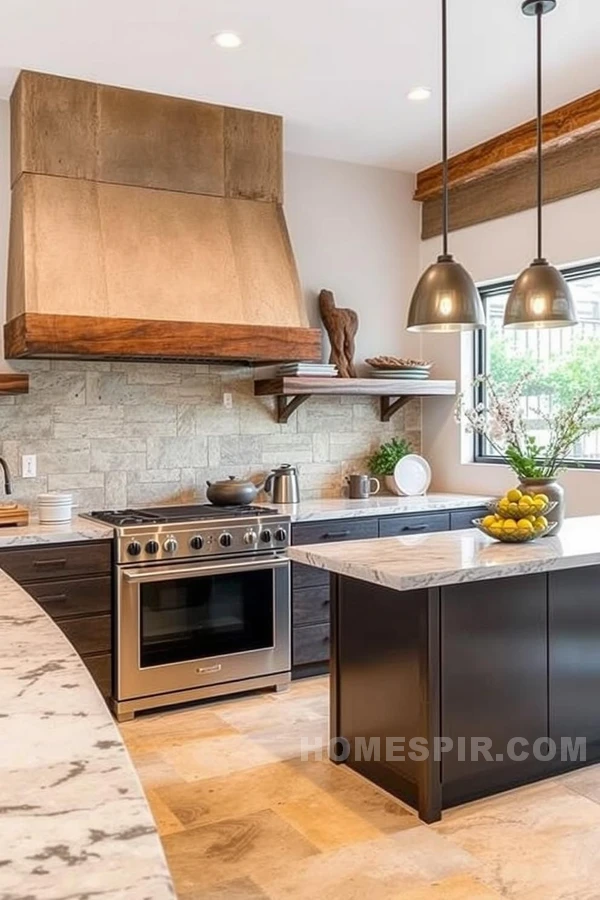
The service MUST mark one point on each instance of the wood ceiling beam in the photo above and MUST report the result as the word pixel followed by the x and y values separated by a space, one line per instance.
pixel 562 125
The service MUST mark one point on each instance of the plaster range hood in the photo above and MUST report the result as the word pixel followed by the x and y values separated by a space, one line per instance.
pixel 148 227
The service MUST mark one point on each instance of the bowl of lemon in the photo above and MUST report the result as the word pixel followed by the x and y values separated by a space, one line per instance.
pixel 517 517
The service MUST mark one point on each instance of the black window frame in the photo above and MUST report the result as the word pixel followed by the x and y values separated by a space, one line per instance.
pixel 493 289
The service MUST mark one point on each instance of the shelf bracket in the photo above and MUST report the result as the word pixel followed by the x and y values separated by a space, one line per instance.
pixel 286 407
pixel 389 407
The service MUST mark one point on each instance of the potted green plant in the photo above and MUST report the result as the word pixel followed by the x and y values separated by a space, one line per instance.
pixel 383 462
pixel 500 420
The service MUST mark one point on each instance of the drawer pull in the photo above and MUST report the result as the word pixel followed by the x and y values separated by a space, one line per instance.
pixel 414 527
pixel 53 598
pixel 47 563
pixel 336 534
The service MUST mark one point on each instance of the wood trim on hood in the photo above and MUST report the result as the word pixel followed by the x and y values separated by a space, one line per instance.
pixel 41 336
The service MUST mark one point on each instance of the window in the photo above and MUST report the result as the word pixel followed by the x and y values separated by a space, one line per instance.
pixel 564 361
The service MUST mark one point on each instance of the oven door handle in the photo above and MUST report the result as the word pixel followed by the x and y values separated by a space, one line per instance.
pixel 168 574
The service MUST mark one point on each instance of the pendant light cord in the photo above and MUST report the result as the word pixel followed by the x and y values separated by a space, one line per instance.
pixel 445 212
pixel 540 155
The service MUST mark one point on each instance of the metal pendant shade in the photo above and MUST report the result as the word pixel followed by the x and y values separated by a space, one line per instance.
pixel 445 298
pixel 540 297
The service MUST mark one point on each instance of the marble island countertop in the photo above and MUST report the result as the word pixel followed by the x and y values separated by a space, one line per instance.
pixel 455 557
pixel 75 822
pixel 78 529
pixel 378 505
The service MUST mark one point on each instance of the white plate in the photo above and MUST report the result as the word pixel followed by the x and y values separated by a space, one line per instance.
pixel 412 475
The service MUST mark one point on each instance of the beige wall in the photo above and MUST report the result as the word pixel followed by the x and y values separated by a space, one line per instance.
pixel 127 433
pixel 355 230
pixel 491 251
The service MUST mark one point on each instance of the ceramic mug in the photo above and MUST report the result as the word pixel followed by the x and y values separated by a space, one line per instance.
pixel 361 487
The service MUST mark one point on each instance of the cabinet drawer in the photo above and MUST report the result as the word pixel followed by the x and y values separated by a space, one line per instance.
pixel 391 526
pixel 88 635
pixel 308 576
pixel 463 518
pixel 100 668
pixel 310 644
pixel 58 561
pixel 334 530
pixel 82 596
pixel 311 605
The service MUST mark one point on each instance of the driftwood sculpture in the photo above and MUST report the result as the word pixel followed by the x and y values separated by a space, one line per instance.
pixel 341 326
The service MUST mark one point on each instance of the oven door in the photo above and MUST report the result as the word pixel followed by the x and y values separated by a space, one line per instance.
pixel 187 626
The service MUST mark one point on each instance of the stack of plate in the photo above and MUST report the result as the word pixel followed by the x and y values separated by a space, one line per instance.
pixel 409 373
pixel 324 370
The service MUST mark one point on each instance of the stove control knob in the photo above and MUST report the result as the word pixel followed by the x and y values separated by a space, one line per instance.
pixel 250 537
pixel 170 545
pixel 281 534
pixel 225 540
pixel 134 548
pixel 266 536
pixel 197 542
pixel 152 547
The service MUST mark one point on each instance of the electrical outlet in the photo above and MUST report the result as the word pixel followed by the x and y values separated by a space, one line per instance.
pixel 228 401
pixel 29 466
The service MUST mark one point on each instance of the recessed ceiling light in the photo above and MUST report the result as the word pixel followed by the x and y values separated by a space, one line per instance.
pixel 229 40
pixel 419 93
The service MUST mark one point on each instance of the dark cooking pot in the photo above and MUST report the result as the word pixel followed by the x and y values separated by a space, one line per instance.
pixel 232 492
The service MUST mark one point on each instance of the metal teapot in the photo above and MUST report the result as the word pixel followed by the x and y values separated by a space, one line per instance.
pixel 282 485
pixel 232 492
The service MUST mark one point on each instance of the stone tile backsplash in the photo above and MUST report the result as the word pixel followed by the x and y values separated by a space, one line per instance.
pixel 123 434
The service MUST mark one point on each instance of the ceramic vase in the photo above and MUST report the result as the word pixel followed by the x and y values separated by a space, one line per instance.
pixel 554 492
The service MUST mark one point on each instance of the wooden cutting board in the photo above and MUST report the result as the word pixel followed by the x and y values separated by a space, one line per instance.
pixel 13 514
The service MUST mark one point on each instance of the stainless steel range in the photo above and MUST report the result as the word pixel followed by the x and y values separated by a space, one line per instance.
pixel 202 603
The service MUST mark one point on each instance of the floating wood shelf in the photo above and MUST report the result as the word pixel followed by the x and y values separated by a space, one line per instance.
pixel 292 392
pixel 13 383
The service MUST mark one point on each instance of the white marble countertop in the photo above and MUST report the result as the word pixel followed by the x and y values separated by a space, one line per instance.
pixel 315 510
pixel 454 557
pixel 75 822
pixel 78 529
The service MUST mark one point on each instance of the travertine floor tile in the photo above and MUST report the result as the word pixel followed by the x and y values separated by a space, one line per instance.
pixel 538 841
pixel 583 781
pixel 220 755
pixel 240 889
pixel 378 870
pixel 458 887
pixel 223 851
pixel 154 770
pixel 152 734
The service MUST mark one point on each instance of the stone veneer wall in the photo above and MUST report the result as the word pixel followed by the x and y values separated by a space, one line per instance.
pixel 124 434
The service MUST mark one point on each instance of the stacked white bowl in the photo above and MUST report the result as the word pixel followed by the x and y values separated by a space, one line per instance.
pixel 55 508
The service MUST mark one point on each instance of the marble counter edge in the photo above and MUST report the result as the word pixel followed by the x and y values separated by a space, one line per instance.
pixel 75 531
pixel 491 561
pixel 341 508
pixel 72 801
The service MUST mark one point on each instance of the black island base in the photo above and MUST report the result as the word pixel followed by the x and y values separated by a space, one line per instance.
pixel 447 694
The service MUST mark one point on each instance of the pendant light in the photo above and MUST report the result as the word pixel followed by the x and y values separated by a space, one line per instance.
pixel 445 298
pixel 540 298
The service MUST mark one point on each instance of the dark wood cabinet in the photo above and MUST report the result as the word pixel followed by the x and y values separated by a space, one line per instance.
pixel 463 518
pixel 392 526
pixel 574 656
pixel 493 673
pixel 310 586
pixel 73 584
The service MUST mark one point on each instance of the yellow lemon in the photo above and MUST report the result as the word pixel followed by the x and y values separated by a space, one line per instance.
pixel 532 517
pixel 525 526
pixel 509 526
pixel 525 504
pixel 513 510
pixel 540 524
pixel 514 496
pixel 540 503
pixel 489 521
pixel 541 497
pixel 503 504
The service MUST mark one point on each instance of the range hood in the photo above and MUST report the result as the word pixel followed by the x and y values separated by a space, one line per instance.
pixel 148 227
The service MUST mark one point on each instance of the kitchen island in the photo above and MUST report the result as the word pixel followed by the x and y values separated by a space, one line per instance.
pixel 462 666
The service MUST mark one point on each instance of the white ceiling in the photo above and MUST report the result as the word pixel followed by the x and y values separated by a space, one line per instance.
pixel 338 70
